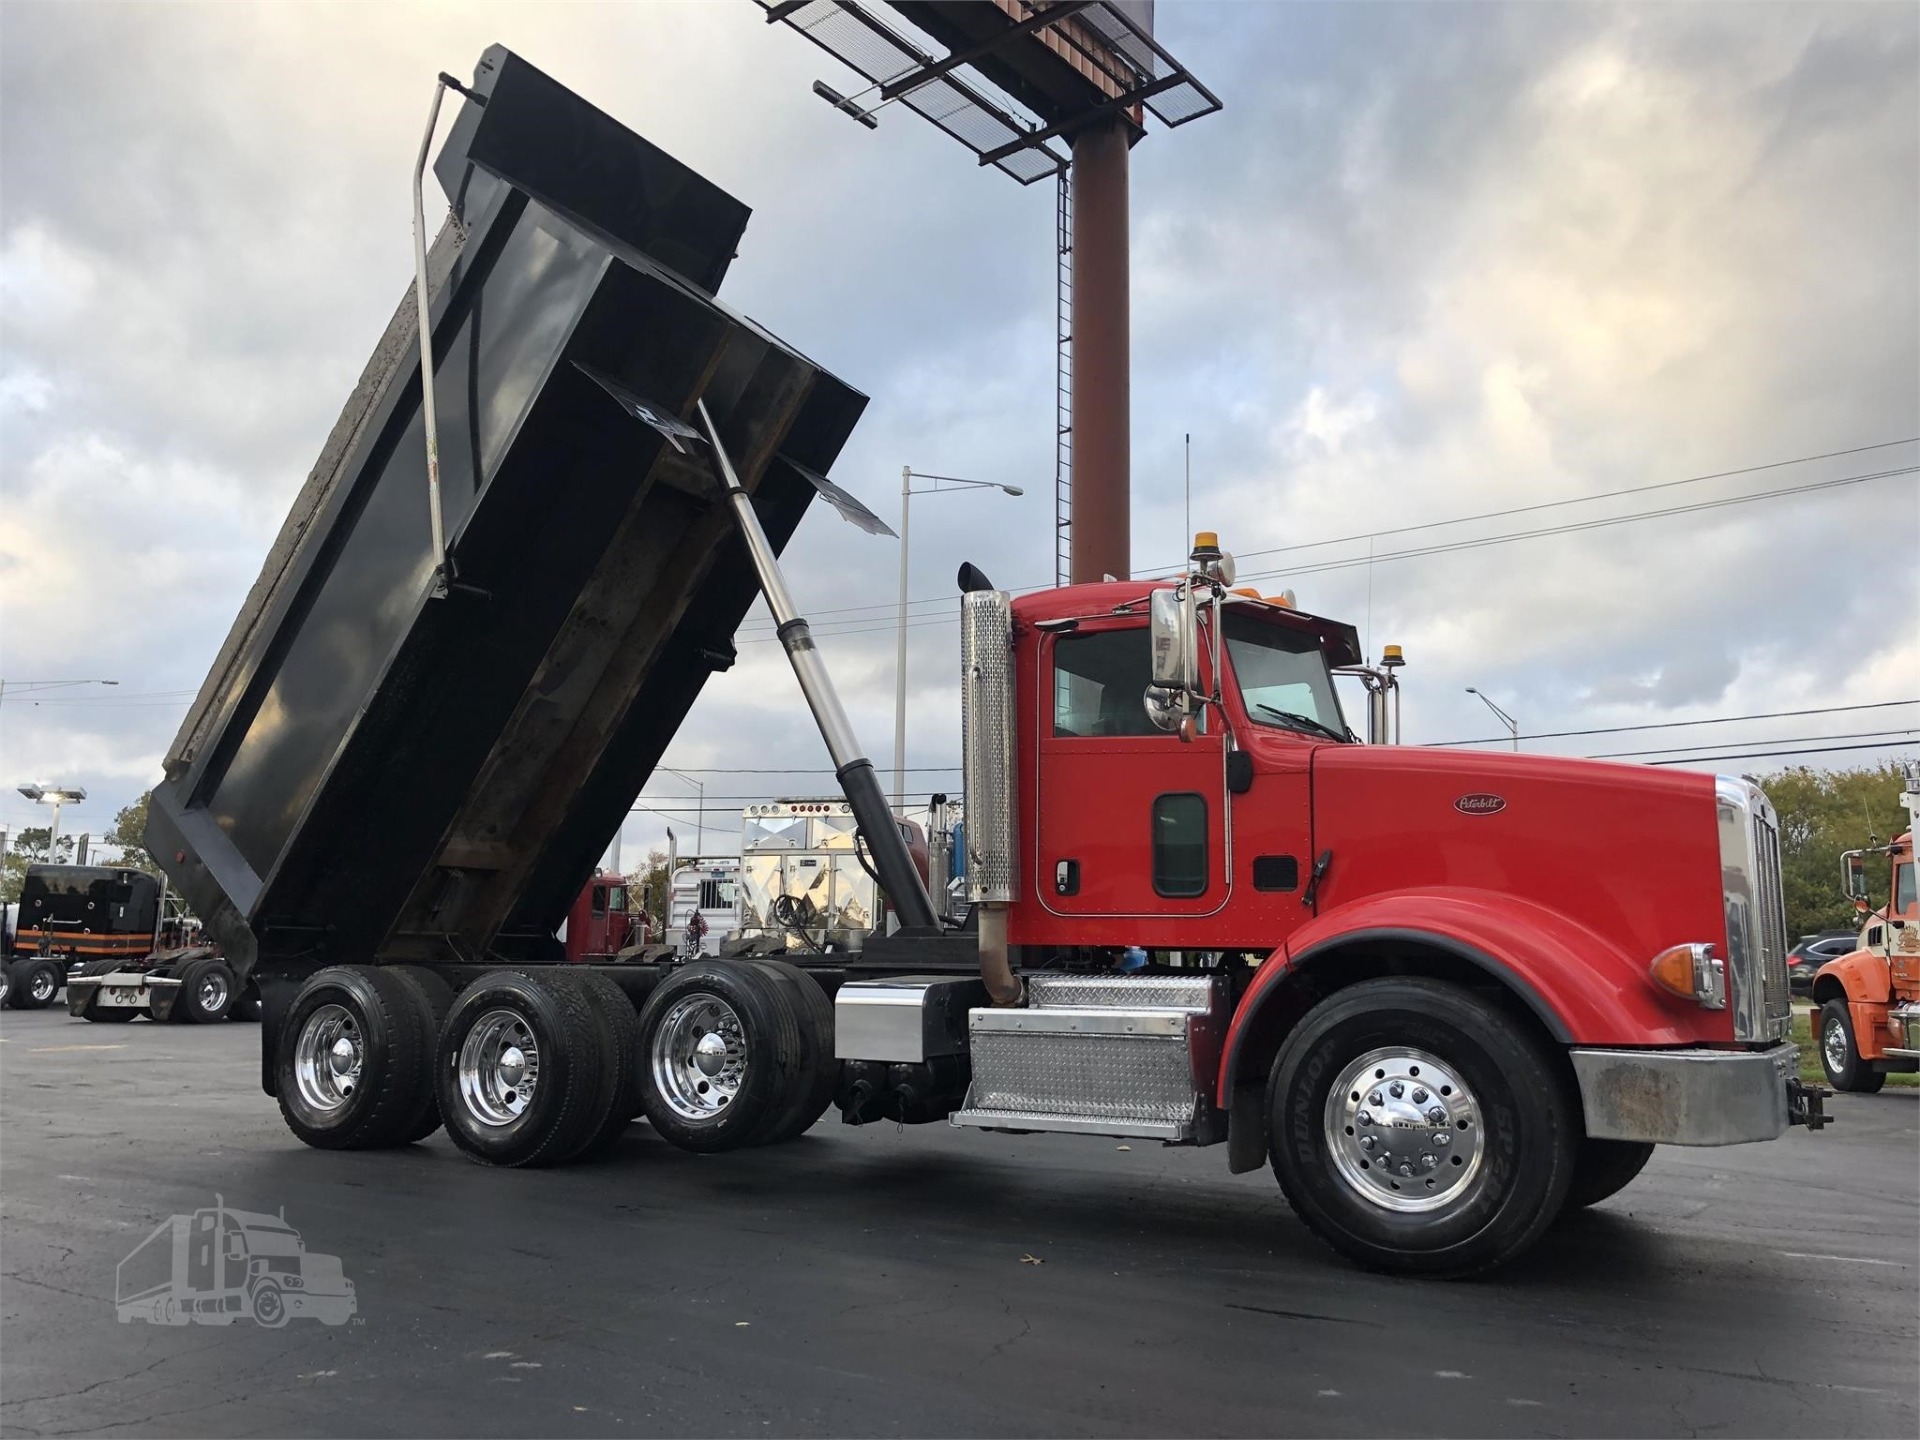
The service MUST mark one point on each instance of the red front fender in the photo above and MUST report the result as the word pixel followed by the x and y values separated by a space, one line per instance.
pixel 1584 989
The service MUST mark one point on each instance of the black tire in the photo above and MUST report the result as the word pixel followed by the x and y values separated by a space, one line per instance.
pixel 35 983
pixel 819 1079
pixel 394 1050
pixel 1505 1084
pixel 770 1058
pixel 569 1095
pixel 195 1008
pixel 110 1014
pixel 269 1305
pixel 434 997
pixel 246 1005
pixel 6 984
pixel 1852 1074
pixel 1603 1168
pixel 619 1026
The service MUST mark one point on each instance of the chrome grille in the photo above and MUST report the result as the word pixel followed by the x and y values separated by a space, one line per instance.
pixel 1770 902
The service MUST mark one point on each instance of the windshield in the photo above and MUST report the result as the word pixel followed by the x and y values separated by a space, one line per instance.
pixel 1283 677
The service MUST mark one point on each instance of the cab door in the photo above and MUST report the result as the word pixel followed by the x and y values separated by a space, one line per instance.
pixel 1130 820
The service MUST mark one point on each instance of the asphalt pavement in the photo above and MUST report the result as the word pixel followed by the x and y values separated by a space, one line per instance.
pixel 923 1281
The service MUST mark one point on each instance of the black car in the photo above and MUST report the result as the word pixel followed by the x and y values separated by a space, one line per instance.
pixel 1813 951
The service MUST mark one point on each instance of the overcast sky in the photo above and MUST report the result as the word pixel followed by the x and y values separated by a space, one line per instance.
pixel 1430 262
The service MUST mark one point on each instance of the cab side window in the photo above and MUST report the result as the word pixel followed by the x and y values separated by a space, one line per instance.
pixel 1098 683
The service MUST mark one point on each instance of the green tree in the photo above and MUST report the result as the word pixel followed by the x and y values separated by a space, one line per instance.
pixel 29 848
pixel 129 834
pixel 648 888
pixel 1823 813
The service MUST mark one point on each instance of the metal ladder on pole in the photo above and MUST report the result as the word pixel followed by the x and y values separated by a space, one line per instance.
pixel 1063 381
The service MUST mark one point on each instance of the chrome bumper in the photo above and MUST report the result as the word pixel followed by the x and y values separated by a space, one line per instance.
pixel 1694 1097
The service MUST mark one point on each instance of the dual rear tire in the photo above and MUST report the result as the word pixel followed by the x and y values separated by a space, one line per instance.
pixel 538 1068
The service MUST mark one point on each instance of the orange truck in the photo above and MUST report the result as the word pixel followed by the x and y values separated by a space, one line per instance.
pixel 1869 1002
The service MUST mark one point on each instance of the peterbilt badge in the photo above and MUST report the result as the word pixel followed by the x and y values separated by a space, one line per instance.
pixel 1480 804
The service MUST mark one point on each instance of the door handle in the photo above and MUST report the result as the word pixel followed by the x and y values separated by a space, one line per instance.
pixel 1066 877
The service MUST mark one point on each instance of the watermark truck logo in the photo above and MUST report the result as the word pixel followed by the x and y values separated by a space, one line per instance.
pixel 216 1266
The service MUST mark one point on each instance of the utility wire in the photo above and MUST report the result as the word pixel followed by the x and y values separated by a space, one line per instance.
pixel 1456 520
pixel 1676 724
pixel 1780 754
pixel 1782 740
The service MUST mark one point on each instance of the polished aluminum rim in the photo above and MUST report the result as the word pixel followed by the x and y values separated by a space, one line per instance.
pixel 213 991
pixel 699 1057
pixel 44 984
pixel 328 1057
pixel 1404 1131
pixel 1833 1041
pixel 499 1067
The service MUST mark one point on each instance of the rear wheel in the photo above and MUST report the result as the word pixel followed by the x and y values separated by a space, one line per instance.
pixel 723 1055
pixel 206 992
pixel 433 998
pixel 110 1014
pixel 819 1077
pixel 1417 1128
pixel 353 1057
pixel 520 1076
pixel 1840 1056
pixel 619 1028
pixel 1604 1168
pixel 35 983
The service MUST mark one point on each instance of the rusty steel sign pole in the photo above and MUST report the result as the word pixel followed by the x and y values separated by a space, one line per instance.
pixel 1102 387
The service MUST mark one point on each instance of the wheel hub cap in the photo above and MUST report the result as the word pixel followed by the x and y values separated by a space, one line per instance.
pixel 698 1057
pixel 1403 1131
pixel 328 1056
pixel 499 1068
pixel 1834 1040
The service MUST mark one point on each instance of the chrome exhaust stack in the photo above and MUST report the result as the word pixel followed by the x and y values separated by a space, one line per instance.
pixel 987 758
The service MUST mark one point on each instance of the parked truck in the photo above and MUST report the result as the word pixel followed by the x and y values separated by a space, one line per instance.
pixel 1440 1011
pixel 1868 1016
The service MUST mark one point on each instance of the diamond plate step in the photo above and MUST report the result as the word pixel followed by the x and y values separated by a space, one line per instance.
pixel 1192 994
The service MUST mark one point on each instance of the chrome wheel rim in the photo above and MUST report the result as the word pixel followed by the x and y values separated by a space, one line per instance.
pixel 328 1058
pixel 1404 1131
pixel 699 1057
pixel 213 991
pixel 1833 1043
pixel 44 985
pixel 499 1068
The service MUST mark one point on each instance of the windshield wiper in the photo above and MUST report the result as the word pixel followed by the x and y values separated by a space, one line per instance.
pixel 1302 722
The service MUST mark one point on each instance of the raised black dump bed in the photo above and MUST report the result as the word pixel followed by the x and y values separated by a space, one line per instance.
pixel 375 771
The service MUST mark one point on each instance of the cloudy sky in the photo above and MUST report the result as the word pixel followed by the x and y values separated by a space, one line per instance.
pixel 1431 262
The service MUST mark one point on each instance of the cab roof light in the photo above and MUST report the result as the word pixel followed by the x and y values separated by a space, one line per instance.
pixel 1693 972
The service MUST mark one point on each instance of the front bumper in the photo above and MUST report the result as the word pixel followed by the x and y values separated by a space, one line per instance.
pixel 1695 1097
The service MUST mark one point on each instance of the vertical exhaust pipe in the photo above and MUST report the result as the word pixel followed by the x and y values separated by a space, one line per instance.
pixel 986 741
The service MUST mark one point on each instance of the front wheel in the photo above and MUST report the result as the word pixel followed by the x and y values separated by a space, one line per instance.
pixel 1419 1129
pixel 1840 1057
pixel 1604 1168
pixel 35 983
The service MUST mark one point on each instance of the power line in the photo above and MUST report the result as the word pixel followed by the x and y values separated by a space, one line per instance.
pixel 1780 754
pixel 1676 724
pixel 1466 519
pixel 1783 740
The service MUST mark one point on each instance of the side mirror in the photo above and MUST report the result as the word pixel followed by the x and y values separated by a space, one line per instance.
pixel 1164 710
pixel 1174 630
pixel 1854 875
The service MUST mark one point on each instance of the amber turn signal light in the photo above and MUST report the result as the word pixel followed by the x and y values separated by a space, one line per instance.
pixel 1693 972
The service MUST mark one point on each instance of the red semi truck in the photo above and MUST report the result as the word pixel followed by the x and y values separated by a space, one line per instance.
pixel 1444 995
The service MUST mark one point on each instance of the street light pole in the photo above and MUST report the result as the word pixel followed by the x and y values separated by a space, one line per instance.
pixel 1513 726
pixel 907 476
pixel 700 821
pixel 56 796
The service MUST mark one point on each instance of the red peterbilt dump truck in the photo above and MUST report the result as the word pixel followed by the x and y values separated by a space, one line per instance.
pixel 1446 996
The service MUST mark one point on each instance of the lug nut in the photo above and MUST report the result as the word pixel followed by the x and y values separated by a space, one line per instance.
pixel 1429 1161
pixel 1443 1138
pixel 1376 1098
pixel 1420 1097
pixel 1365 1117
pixel 1396 1089
pixel 1436 1116
pixel 1368 1143
pixel 1406 1168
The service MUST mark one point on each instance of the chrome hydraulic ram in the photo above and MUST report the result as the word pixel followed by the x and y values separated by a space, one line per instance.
pixel 898 877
